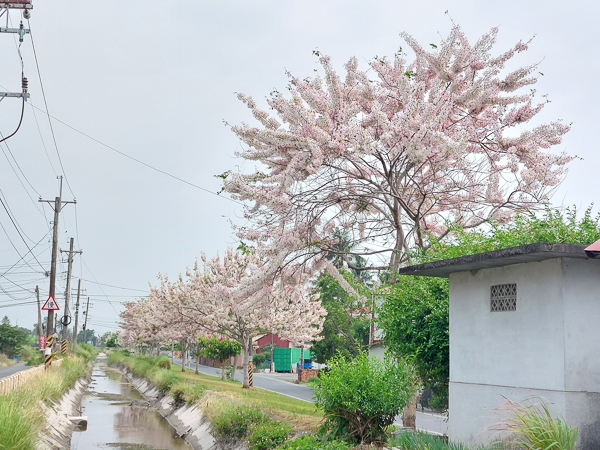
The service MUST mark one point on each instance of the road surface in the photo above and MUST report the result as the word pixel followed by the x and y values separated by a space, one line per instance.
pixel 10 370
pixel 282 384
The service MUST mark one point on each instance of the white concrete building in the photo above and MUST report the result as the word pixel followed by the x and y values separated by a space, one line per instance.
pixel 524 325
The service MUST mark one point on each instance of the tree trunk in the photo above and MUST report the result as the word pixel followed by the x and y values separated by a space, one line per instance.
pixel 183 353
pixel 234 367
pixel 409 414
pixel 223 371
pixel 197 362
pixel 172 354
pixel 246 346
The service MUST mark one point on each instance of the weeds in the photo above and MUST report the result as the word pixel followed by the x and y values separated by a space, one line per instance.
pixel 21 414
pixel 534 428
pixel 235 421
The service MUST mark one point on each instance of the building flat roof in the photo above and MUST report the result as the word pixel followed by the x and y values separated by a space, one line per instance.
pixel 497 258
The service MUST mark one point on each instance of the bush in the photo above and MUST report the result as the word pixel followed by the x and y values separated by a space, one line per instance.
pixel 164 364
pixel 268 435
pixel 187 392
pixel 361 397
pixel 236 422
pixel 310 442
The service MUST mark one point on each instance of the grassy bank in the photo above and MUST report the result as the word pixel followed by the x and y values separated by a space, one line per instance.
pixel 302 415
pixel 21 414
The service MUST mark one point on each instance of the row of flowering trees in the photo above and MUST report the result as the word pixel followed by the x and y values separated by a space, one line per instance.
pixel 237 297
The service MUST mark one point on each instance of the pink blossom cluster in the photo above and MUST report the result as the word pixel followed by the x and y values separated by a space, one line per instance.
pixel 395 152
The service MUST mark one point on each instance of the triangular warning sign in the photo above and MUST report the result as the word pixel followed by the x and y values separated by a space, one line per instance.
pixel 50 305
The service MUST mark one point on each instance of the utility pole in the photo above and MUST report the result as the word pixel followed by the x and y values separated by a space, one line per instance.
pixel 66 320
pixel 87 311
pixel 76 316
pixel 58 205
pixel 40 327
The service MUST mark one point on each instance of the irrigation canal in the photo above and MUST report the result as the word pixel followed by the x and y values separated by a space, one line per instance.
pixel 119 418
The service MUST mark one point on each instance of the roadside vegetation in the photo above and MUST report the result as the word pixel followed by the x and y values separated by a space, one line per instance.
pixel 414 314
pixel 21 414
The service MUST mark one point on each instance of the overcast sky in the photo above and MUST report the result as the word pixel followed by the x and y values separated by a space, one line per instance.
pixel 155 80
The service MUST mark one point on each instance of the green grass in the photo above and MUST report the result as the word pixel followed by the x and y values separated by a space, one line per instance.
pixel 424 441
pixel 21 414
pixel 216 394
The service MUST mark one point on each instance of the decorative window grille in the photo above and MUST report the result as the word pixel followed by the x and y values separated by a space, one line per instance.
pixel 503 297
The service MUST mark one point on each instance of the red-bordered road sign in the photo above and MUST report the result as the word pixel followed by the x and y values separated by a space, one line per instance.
pixel 50 305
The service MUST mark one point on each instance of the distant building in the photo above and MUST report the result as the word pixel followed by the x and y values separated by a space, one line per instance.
pixel 270 338
pixel 524 325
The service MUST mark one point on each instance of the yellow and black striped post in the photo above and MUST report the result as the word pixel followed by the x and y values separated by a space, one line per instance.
pixel 48 351
pixel 63 346
pixel 250 371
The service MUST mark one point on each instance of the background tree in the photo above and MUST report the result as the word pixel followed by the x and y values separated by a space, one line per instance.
pixel 12 339
pixel 88 336
pixel 346 326
pixel 414 313
pixel 393 154
pixel 219 350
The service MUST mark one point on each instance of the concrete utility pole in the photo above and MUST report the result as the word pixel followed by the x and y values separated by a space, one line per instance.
pixel 40 327
pixel 76 316
pixel 87 312
pixel 58 204
pixel 66 317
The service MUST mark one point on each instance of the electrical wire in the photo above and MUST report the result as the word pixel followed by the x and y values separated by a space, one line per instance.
pixel 18 126
pixel 46 106
pixel 22 173
pixel 137 160
pixel 117 287
pixel 22 238
pixel 89 270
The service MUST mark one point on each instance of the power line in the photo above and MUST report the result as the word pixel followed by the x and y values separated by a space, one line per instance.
pixel 137 160
pixel 47 110
pixel 117 287
pixel 22 238
pixel 22 173
pixel 89 270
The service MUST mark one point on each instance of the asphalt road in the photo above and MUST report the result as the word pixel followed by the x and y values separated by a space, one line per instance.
pixel 282 384
pixel 8 371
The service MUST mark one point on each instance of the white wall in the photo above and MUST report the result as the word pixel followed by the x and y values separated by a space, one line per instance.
pixel 549 348
pixel 522 348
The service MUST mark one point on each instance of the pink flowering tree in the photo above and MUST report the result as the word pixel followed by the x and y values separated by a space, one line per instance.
pixel 239 297
pixel 394 153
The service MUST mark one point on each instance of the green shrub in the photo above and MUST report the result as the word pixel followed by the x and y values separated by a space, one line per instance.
pixel 268 435
pixel 36 359
pixel 164 364
pixel 163 379
pixel 310 442
pixel 183 391
pixel 236 422
pixel 361 397
pixel 314 380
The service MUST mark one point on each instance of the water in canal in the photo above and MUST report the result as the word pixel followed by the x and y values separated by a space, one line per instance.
pixel 118 419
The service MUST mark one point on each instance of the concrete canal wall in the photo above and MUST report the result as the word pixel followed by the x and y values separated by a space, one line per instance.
pixel 189 421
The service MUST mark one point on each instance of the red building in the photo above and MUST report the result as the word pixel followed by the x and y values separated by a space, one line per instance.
pixel 270 338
